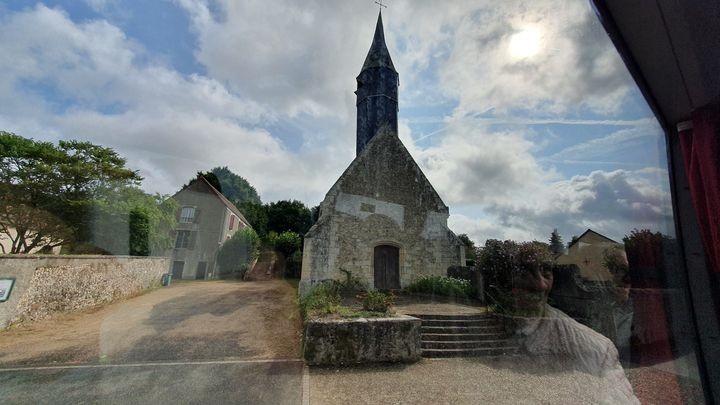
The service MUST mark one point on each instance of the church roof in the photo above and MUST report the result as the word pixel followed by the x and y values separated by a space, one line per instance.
pixel 378 56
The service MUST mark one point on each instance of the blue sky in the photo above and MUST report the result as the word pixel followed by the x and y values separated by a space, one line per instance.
pixel 520 113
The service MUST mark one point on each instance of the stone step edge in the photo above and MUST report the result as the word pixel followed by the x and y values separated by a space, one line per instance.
pixel 454 329
pixel 468 352
pixel 439 317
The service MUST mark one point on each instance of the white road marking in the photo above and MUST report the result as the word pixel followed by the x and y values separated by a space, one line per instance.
pixel 161 364
pixel 306 385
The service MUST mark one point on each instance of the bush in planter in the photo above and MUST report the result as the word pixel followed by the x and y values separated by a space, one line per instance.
pixel 323 299
pixel 440 285
pixel 376 301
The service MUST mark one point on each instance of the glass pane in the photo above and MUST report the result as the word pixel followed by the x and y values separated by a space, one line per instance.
pixel 498 229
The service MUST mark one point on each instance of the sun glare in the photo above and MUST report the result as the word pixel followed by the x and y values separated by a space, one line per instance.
pixel 525 43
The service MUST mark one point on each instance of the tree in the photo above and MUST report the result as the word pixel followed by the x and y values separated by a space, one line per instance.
pixel 115 212
pixel 139 230
pixel 238 252
pixel 287 242
pixel 286 215
pixel 256 214
pixel 556 243
pixel 56 183
pixel 234 187
pixel 210 177
pixel 502 261
pixel 470 249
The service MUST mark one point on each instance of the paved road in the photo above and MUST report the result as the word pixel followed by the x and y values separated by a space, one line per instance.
pixel 235 382
pixel 195 342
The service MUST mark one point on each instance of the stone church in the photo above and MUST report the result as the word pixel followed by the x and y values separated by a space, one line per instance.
pixel 382 220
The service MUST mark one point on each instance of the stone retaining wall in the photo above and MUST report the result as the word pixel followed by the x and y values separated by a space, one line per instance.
pixel 363 340
pixel 45 285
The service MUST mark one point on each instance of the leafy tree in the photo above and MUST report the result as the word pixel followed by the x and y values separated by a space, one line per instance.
pixel 256 214
pixel 238 252
pixel 288 215
pixel 499 261
pixel 111 226
pixel 470 249
pixel 644 250
pixel 139 229
pixel 287 242
pixel 57 185
pixel 210 177
pixel 556 243
pixel 29 228
pixel 234 187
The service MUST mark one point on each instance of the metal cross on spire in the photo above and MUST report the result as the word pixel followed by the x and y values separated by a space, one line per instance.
pixel 380 3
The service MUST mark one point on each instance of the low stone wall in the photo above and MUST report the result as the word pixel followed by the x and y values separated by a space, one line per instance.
pixel 363 340
pixel 45 285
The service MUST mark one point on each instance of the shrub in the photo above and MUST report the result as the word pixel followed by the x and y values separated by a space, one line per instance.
pixel 238 252
pixel 323 299
pixel 287 242
pixel 499 261
pixel 440 285
pixel 376 301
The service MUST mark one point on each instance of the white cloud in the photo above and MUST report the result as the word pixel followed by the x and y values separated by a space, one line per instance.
pixel 168 124
pixel 293 65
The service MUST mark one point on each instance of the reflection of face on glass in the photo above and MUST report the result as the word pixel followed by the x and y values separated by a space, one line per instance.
pixel 531 288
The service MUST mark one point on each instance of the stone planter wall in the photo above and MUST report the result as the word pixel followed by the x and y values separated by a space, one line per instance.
pixel 363 340
pixel 45 285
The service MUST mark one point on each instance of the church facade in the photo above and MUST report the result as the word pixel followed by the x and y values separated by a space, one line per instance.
pixel 382 220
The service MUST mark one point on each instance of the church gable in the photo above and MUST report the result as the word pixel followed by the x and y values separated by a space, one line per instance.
pixel 386 172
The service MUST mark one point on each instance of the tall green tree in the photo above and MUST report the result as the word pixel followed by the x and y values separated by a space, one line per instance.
pixel 210 177
pixel 257 215
pixel 289 215
pixel 556 243
pixel 234 187
pixel 113 214
pixel 470 249
pixel 57 185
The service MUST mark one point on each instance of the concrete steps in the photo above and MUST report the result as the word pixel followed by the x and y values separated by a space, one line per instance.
pixel 463 336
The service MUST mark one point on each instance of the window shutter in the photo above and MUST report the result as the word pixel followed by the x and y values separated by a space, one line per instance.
pixel 197 215
pixel 177 214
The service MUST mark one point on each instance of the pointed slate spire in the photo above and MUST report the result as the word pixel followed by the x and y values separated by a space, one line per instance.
pixel 377 91
pixel 378 56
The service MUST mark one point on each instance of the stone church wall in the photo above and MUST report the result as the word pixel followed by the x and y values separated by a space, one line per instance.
pixel 382 199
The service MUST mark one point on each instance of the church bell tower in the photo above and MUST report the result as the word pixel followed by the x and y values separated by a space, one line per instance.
pixel 377 91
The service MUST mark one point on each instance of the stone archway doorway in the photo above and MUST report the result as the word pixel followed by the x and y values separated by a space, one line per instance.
pixel 387 267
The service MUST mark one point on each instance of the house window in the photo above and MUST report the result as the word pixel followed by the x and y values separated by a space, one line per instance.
pixel 187 214
pixel 232 222
pixel 183 240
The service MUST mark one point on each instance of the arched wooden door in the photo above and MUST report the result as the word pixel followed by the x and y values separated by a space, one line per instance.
pixel 387 267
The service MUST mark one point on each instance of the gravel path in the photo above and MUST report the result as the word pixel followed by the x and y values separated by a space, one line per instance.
pixel 499 380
